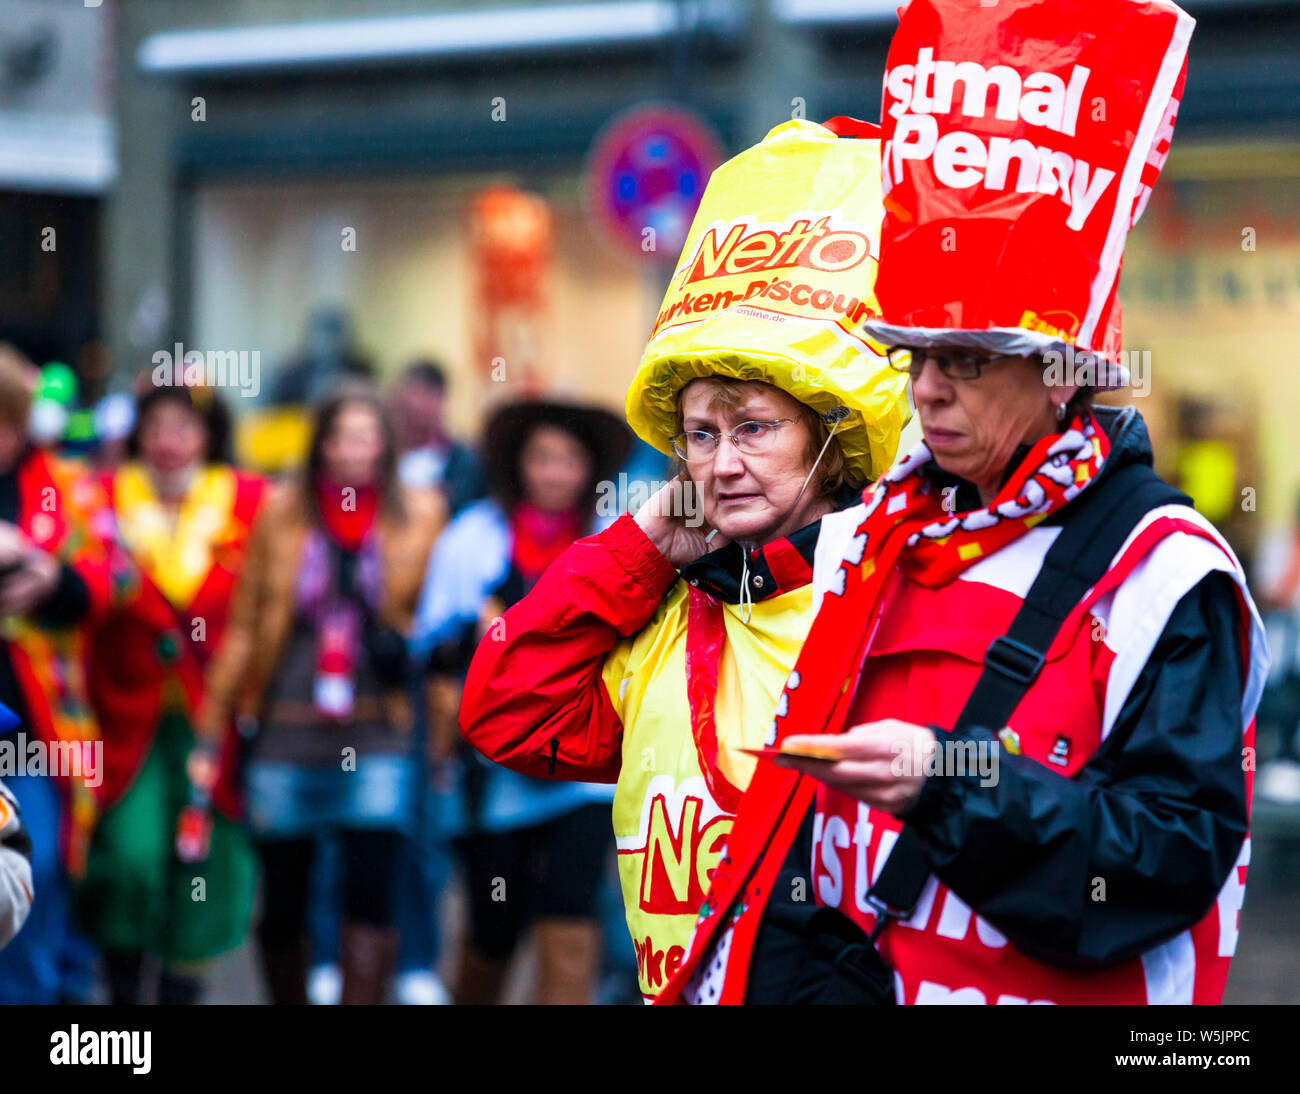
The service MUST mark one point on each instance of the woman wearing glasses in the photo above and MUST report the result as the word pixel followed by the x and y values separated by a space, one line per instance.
pixel 1098 855
pixel 652 654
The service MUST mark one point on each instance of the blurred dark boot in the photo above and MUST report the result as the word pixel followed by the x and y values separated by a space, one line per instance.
pixel 122 971
pixel 176 989
pixel 367 956
pixel 285 970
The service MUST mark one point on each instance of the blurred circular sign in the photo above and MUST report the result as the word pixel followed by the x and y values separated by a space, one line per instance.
pixel 646 173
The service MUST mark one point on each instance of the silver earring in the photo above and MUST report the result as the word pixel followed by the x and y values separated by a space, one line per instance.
pixel 1060 412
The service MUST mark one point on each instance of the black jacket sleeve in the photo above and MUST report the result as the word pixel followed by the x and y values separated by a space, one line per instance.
pixel 68 602
pixel 1092 870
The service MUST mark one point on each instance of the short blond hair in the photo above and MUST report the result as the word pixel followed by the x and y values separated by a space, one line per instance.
pixel 729 392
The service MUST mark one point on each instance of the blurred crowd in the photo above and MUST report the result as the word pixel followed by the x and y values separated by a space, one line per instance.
pixel 260 675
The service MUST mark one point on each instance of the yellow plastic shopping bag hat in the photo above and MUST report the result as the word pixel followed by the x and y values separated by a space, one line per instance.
pixel 776 278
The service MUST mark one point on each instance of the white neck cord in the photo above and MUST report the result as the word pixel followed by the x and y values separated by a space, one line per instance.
pixel 746 594
pixel 818 460
pixel 746 597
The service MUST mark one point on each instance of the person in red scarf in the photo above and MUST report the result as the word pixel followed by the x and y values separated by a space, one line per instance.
pixel 183 516
pixel 1121 766
pixel 56 579
pixel 534 852
pixel 314 655
pixel 1005 772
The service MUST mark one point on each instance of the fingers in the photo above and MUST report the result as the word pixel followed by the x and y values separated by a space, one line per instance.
pixel 881 765
pixel 14 544
pixel 840 773
pixel 869 741
pixel 202 770
pixel 873 783
pixel 667 500
pixel 21 592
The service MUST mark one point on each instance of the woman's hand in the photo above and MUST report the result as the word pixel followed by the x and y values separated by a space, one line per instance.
pixel 443 695
pixel 35 578
pixel 662 518
pixel 884 762
pixel 489 619
pixel 202 766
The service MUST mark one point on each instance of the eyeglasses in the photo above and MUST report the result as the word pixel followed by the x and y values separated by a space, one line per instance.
pixel 752 438
pixel 954 364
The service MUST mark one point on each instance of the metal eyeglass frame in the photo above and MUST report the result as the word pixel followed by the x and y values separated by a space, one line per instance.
pixel 717 437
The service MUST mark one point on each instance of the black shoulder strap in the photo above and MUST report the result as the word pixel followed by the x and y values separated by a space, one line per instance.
pixel 1100 520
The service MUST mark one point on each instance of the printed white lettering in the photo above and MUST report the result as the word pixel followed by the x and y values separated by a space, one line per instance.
pixel 931 994
pixel 830 886
pixel 917 93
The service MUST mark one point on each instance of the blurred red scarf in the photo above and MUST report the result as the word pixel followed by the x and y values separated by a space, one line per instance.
pixel 541 536
pixel 346 512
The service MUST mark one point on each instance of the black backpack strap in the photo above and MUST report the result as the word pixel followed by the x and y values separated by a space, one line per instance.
pixel 1100 520
pixel 1077 560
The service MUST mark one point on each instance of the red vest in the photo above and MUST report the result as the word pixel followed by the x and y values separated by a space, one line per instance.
pixel 922 665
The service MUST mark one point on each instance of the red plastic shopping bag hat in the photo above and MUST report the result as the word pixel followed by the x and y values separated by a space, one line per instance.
pixel 1022 140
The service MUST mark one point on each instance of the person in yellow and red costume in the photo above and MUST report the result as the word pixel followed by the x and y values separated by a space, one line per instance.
pixel 1010 763
pixel 55 567
pixel 183 516
pixel 651 655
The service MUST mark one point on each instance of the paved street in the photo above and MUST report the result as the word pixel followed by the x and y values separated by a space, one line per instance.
pixel 1265 970
pixel 1267 965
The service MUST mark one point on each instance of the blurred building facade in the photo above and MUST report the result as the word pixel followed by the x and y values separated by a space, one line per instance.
pixel 253 133
pixel 57 159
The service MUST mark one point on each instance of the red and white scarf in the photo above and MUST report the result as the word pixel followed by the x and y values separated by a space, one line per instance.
pixel 908 525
